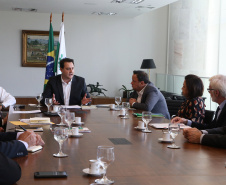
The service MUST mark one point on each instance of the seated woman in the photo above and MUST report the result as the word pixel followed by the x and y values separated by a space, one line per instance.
pixel 193 108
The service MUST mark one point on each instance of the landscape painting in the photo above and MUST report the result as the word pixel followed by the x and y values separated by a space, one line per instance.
pixel 35 47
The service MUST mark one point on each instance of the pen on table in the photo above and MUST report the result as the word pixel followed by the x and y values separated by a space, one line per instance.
pixel 22 128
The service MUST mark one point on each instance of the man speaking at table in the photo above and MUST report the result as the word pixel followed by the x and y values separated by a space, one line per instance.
pixel 13 145
pixel 146 96
pixel 67 88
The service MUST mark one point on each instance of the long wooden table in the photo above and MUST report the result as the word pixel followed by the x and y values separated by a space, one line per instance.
pixel 144 162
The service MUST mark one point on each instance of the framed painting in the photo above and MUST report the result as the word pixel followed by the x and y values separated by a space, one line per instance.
pixel 35 47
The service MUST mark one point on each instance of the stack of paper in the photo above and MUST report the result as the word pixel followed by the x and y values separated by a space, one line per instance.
pixel 154 115
pixel 39 120
pixel 84 129
pixel 89 107
pixel 166 125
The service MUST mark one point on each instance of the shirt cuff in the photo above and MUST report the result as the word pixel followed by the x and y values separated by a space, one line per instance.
pixel 201 138
pixel 133 103
pixel 189 123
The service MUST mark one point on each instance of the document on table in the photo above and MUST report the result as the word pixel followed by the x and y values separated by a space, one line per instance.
pixel 26 112
pixel 89 107
pixel 71 106
pixel 166 125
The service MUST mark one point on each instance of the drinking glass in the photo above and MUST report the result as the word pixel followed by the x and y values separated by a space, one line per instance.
pixel 126 106
pixel 118 100
pixel 105 156
pixel 60 135
pixel 61 112
pixel 73 117
pixel 69 120
pixel 174 130
pixel 39 98
pixel 146 117
pixel 48 102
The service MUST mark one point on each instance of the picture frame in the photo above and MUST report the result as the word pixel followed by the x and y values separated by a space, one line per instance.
pixel 35 47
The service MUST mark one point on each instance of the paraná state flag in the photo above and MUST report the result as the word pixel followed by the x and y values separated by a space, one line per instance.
pixel 61 50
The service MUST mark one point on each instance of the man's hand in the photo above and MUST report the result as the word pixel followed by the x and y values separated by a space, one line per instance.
pixel 179 120
pixel 131 101
pixel 54 100
pixel 86 100
pixel 31 138
pixel 192 135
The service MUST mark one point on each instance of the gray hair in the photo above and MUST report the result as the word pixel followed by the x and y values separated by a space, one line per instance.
pixel 219 82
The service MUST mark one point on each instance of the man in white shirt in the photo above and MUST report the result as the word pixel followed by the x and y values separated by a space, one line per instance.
pixel 6 99
pixel 67 88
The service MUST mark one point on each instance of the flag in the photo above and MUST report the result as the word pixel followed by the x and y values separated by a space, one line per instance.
pixel 61 50
pixel 50 57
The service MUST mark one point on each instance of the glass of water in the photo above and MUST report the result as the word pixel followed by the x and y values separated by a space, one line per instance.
pixel 39 98
pixel 118 100
pixel 48 102
pixel 174 130
pixel 105 156
pixel 60 135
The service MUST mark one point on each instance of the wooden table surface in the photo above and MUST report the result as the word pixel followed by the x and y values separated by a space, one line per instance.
pixel 144 162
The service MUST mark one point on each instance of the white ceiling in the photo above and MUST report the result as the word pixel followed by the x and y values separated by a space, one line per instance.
pixel 85 7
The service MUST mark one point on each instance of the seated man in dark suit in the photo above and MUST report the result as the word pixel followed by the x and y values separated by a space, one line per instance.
pixel 67 88
pixel 13 145
pixel 217 90
pixel 146 96
pixel 215 137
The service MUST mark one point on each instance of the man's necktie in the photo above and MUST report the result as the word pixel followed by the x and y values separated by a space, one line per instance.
pixel 216 113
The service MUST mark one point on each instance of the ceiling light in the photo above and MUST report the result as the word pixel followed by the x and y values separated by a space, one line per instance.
pixel 112 13
pixel 117 1
pixel 136 1
pixel 102 13
pixel 25 9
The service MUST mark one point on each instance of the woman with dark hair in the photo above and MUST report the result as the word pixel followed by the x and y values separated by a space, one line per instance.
pixel 193 108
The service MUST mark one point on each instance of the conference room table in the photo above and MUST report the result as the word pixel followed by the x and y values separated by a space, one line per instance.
pixel 142 161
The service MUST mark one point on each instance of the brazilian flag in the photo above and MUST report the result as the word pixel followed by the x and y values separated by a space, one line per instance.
pixel 50 57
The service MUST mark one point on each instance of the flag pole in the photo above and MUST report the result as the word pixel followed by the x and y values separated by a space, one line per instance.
pixel 63 17
pixel 51 17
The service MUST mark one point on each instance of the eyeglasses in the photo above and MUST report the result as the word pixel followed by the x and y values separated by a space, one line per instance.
pixel 210 90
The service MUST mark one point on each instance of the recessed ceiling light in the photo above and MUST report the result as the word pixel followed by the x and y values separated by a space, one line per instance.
pixel 102 13
pixel 112 13
pixel 117 1
pixel 25 9
pixel 137 1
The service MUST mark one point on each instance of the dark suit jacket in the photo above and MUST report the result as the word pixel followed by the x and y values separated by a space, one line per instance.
pixel 220 122
pixel 152 100
pixel 216 137
pixel 10 147
pixel 10 171
pixel 54 86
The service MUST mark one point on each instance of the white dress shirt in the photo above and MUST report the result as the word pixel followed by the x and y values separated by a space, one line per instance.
pixel 6 98
pixel 66 91
pixel 140 94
